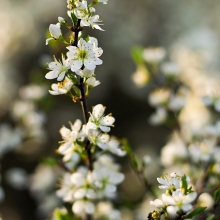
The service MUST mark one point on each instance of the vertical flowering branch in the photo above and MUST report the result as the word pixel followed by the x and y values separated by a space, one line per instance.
pixel 92 173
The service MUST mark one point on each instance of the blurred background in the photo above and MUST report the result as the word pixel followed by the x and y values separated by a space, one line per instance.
pixel 30 114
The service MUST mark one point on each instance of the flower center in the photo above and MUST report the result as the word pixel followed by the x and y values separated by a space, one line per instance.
pixel 83 54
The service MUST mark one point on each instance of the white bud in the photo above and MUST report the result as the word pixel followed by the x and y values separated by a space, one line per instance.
pixel 55 30
pixel 61 20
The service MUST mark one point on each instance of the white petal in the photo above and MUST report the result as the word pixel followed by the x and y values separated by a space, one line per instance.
pixel 78 207
pixel 51 75
pixel 80 193
pixel 98 111
pixel 104 128
pixel 76 65
pixel 89 207
pixel 107 120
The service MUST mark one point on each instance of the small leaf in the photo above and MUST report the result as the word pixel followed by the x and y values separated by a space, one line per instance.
pixel 77 90
pixel 212 217
pixel 136 54
pixel 184 183
pixel 74 19
pixel 217 195
pixel 61 216
pixel 195 212
pixel 50 161
pixel 73 78
pixel 135 162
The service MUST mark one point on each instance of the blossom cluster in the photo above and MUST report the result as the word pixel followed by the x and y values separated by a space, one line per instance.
pixel 180 98
pixel 84 186
pixel 178 196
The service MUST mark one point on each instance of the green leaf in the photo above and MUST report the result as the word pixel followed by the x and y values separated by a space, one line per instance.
pixel 135 162
pixel 184 183
pixel 136 54
pixel 217 195
pixel 73 78
pixel 59 215
pixel 195 212
pixel 74 19
pixel 77 90
pixel 50 161
pixel 87 38
pixel 212 217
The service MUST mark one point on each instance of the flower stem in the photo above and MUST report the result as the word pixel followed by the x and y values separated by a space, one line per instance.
pixel 83 102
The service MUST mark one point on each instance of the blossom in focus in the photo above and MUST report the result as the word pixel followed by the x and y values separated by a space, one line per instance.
pixel 70 136
pixel 92 21
pixel 58 69
pixel 81 11
pixel 62 87
pixel 85 54
pixel 98 120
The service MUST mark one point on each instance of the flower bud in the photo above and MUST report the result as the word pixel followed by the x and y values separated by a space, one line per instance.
pixel 55 30
pixel 61 20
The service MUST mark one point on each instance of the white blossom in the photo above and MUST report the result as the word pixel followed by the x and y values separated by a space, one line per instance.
pixel 179 201
pixel 58 69
pixel 81 11
pixel 98 120
pixel 70 136
pixel 85 54
pixel 170 181
pixel 106 180
pixel 92 21
pixel 114 147
pixel 62 87
pixel 92 82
